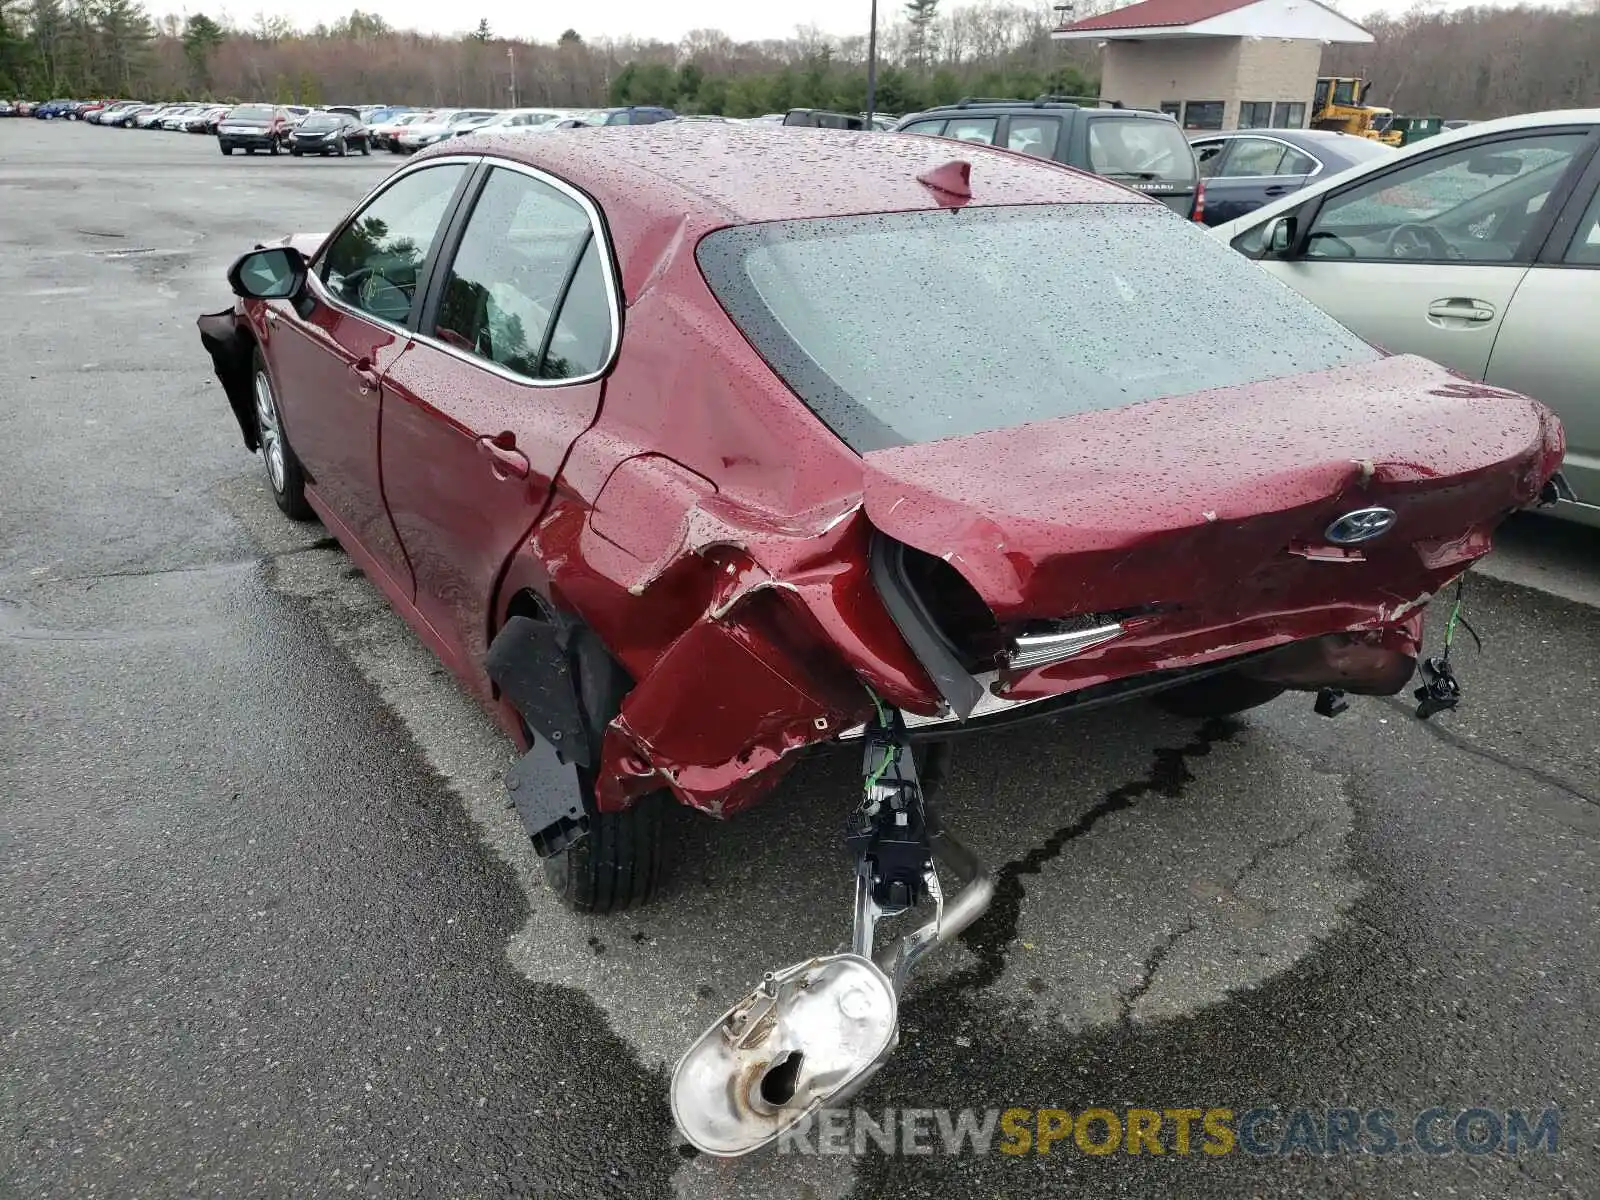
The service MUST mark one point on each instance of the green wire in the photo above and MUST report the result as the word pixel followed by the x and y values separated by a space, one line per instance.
pixel 1450 625
pixel 888 754
pixel 877 704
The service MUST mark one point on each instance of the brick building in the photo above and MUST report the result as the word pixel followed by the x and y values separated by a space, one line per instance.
pixel 1216 64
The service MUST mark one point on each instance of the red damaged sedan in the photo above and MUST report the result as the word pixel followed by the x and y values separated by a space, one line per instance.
pixel 687 447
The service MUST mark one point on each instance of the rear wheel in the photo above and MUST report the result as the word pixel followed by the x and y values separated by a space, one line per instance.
pixel 284 474
pixel 366 146
pixel 341 149
pixel 273 147
pixel 622 861
pixel 1217 695
pixel 249 149
pixel 227 149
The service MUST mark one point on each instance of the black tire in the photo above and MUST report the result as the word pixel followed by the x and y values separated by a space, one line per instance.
pixel 341 149
pixel 295 152
pixel 286 478
pixel 227 149
pixel 249 149
pixel 273 147
pixel 622 861
pixel 366 147
pixel 1217 696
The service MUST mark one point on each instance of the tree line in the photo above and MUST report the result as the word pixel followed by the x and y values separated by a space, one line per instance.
pixel 1476 62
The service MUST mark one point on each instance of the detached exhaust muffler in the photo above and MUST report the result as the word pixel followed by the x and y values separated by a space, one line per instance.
pixel 811 1035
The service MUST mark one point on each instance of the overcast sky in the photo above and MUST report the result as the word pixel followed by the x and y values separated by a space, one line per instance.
pixel 743 20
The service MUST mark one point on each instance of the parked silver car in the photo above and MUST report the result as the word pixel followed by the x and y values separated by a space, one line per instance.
pixel 1479 249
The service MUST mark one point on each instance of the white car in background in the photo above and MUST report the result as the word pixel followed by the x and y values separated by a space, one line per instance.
pixel 522 120
pixel 446 123
pixel 385 133
pixel 1479 249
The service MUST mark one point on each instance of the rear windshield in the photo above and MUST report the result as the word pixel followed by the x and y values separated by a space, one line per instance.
pixel 909 327
pixel 1140 150
pixel 250 114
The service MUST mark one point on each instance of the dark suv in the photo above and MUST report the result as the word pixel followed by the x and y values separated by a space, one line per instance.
pixel 1131 146
pixel 252 127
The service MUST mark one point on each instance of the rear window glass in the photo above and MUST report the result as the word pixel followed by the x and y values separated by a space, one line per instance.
pixel 250 113
pixel 909 327
pixel 1140 150
pixel 311 123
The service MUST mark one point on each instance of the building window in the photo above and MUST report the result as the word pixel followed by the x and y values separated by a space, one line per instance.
pixel 1255 114
pixel 1202 114
pixel 1289 116
pixel 1173 108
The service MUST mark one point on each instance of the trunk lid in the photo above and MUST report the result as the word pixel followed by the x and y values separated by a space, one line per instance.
pixel 1221 501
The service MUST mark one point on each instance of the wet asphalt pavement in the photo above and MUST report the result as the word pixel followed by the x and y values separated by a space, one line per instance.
pixel 268 928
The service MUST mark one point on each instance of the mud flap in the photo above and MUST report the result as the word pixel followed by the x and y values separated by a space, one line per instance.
pixel 230 358
pixel 548 797
pixel 532 663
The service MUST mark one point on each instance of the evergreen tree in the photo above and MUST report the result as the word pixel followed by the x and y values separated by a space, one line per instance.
pixel 922 44
pixel 201 36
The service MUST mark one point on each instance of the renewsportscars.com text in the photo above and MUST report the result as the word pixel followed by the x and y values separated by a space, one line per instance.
pixel 1261 1131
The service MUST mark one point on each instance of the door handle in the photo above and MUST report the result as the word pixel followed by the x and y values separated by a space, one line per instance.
pixel 364 372
pixel 1459 310
pixel 505 460
pixel 1277 189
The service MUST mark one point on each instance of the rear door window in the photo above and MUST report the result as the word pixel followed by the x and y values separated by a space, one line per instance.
pixel 925 127
pixel 1140 149
pixel 1034 135
pixel 972 129
pixel 1253 157
pixel 518 257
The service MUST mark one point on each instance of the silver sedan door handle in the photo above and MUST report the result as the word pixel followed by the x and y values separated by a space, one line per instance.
pixel 1459 310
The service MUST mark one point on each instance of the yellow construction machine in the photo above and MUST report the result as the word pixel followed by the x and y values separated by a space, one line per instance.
pixel 1341 105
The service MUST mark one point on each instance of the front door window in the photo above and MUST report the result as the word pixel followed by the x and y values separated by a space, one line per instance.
pixel 375 261
pixel 1475 203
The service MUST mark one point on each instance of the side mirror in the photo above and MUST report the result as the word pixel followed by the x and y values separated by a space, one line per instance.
pixel 1277 236
pixel 277 273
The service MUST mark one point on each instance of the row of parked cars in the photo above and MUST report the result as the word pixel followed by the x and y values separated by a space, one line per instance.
pixel 338 129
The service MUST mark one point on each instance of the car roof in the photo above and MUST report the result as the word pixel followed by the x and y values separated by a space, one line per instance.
pixel 1309 135
pixel 1042 104
pixel 727 174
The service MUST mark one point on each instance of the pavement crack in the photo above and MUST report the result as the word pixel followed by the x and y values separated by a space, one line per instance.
pixel 990 937
pixel 325 543
pixel 1467 746
pixel 1162 949
pixel 1152 964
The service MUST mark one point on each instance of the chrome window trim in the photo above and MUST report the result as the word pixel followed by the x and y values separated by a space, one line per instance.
pixel 597 230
